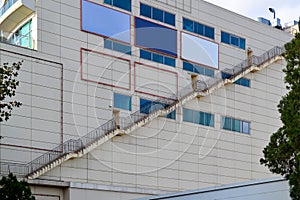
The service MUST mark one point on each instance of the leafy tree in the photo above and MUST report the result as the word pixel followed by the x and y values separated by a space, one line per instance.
pixel 282 154
pixel 8 86
pixel 12 189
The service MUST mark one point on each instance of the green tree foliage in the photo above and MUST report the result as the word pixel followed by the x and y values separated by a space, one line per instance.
pixel 8 86
pixel 282 154
pixel 12 189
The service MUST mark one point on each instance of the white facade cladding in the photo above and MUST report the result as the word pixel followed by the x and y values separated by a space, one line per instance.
pixel 124 99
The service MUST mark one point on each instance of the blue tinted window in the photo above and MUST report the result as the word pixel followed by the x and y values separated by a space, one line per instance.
pixel 94 20
pixel 169 18
pixel 209 72
pixel 108 44
pixel 156 37
pixel 188 25
pixel 242 43
pixel 188 66
pixel 157 57
pixel 145 54
pixel 198 117
pixel 169 61
pixel 147 106
pixel 198 28
pixel 198 69
pixel 233 40
pixel 225 38
pixel 117 46
pixel 171 115
pixel 209 32
pixel 236 125
pixel 122 101
pixel 145 10
pixel 124 4
pixel 242 81
pixel 157 14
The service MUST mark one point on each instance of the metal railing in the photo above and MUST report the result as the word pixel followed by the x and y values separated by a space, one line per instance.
pixel 145 109
pixel 6 6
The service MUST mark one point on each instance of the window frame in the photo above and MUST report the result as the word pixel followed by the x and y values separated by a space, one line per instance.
pixel 113 3
pixel 230 36
pixel 129 106
pixel 163 13
pixel 226 120
pixel 198 24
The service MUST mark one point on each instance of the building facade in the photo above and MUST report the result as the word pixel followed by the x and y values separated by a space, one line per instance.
pixel 124 99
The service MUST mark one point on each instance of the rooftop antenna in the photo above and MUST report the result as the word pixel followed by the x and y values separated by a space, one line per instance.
pixel 272 10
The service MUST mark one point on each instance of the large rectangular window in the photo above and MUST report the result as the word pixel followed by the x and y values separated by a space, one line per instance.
pixel 198 117
pixel 198 69
pixel 199 50
pixel 198 28
pixel 157 14
pixel 124 4
pixel 155 57
pixel 236 125
pixel 117 46
pixel 122 101
pixel 147 107
pixel 233 40
pixel 242 81
pixel 95 20
pixel 155 37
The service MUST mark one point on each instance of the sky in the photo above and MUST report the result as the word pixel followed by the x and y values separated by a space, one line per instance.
pixel 286 10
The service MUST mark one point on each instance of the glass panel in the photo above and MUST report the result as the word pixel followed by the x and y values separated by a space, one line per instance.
pixel 122 101
pixel 198 28
pixel 145 106
pixel 198 69
pixel 188 66
pixel 157 58
pixel 234 40
pixel 225 38
pixel 187 115
pixel 209 72
pixel 172 115
pixel 169 61
pixel 170 18
pixel 145 10
pixel 121 48
pixel 209 120
pixel 201 118
pixel 108 44
pixel 227 123
pixel 236 125
pixel 158 14
pixel 242 43
pixel 145 54
pixel 94 20
pixel 156 37
pixel 108 2
pixel 246 127
pixel 124 4
pixel 200 50
pixel 209 32
pixel 188 25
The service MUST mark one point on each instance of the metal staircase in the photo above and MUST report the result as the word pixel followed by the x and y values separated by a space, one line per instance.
pixel 161 107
